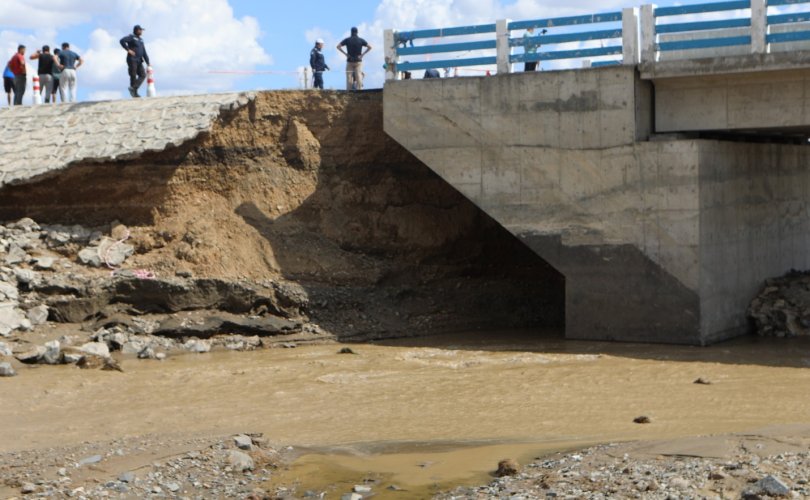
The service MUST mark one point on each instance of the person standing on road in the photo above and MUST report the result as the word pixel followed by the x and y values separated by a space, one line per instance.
pixel 136 56
pixel 318 64
pixel 8 83
pixel 45 70
pixel 17 66
pixel 56 73
pixel 354 59
pixel 69 62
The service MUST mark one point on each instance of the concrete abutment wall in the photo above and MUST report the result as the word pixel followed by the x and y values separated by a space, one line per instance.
pixel 660 240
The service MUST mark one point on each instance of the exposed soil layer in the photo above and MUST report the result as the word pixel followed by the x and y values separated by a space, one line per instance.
pixel 306 187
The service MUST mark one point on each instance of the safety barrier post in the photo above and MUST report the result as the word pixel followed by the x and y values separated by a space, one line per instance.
pixel 504 51
pixel 389 38
pixel 150 82
pixel 759 26
pixel 37 96
pixel 629 36
pixel 648 33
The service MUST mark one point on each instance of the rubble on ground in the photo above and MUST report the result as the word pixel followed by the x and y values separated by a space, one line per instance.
pixel 782 308
pixel 73 275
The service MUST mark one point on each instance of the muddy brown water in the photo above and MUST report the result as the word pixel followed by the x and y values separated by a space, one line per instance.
pixel 421 414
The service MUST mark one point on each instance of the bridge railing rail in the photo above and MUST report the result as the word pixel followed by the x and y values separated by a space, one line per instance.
pixel 645 34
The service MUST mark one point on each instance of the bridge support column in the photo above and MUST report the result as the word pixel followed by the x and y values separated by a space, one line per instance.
pixel 759 26
pixel 648 33
pixel 629 36
pixel 502 46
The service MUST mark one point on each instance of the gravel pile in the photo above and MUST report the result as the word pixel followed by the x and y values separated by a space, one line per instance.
pixel 604 472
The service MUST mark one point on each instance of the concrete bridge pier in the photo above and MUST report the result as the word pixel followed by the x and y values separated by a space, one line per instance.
pixel 660 238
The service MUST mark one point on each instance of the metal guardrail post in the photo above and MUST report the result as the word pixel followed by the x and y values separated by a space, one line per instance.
pixel 504 51
pixel 630 41
pixel 647 33
pixel 759 26
pixel 389 41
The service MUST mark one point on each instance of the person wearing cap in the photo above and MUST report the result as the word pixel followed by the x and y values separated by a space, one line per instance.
pixel 318 64
pixel 354 59
pixel 17 66
pixel 136 56
pixel 45 70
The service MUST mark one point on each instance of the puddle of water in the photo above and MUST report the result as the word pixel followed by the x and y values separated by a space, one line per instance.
pixel 516 393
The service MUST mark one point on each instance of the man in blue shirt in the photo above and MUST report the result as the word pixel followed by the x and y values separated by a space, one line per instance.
pixel 136 56
pixel 318 63
pixel 69 62
pixel 354 59
pixel 8 83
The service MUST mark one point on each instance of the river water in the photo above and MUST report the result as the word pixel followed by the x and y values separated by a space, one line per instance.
pixel 419 413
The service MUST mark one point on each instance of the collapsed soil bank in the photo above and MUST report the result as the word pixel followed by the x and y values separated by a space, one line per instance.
pixel 306 187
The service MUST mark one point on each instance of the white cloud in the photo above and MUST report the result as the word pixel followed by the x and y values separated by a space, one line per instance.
pixel 185 40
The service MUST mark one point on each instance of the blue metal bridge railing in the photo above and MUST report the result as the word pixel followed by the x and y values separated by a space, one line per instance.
pixel 645 35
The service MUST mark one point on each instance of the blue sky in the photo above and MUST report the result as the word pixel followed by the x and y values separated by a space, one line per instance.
pixel 188 39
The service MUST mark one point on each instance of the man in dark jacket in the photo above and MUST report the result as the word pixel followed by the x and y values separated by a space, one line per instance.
pixel 136 56
pixel 318 63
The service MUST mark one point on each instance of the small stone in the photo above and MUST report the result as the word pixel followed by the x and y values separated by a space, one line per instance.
pixel 173 487
pixel 25 276
pixel 679 483
pixel 702 381
pixel 346 350
pixel 8 292
pixel 53 353
pixel 352 496
pixel 31 356
pixel 157 490
pixel 90 257
pixel 71 358
pixel 717 476
pixel 642 420
pixel 99 349
pixel 507 467
pixel 28 488
pixel 44 262
pixel 5 350
pixel 243 442
pixel 16 255
pixel 62 472
pixel 198 346
pixel 38 315
pixel 135 346
pixel 241 462
pixel 93 459
pixel 771 485
pixel 147 353
pixel 127 477
pixel 6 370
pixel 361 488
pixel 11 318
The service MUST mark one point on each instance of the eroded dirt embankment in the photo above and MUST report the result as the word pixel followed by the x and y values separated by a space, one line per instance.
pixel 306 188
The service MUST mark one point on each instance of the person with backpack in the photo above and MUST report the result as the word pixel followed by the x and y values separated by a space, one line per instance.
pixel 354 59
pixel 8 83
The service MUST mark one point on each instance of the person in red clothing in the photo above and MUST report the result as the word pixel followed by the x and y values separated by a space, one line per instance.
pixel 17 66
